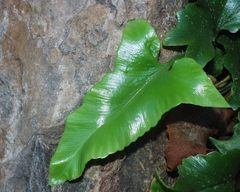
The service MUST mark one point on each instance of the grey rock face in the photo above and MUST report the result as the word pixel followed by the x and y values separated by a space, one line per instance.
pixel 51 53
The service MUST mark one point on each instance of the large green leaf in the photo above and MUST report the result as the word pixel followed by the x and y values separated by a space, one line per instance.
pixel 231 61
pixel 129 101
pixel 214 172
pixel 199 24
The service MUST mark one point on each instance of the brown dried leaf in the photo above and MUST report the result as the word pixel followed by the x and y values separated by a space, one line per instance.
pixel 185 139
pixel 188 129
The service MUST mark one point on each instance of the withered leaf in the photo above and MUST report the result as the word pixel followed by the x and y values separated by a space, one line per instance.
pixel 188 129
pixel 185 139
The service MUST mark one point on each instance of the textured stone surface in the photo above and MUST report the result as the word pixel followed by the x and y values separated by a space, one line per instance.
pixel 51 53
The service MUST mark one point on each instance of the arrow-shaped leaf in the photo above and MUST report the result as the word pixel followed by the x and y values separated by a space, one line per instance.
pixel 127 102
pixel 199 24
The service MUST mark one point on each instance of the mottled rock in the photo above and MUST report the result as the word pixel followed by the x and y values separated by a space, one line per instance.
pixel 51 53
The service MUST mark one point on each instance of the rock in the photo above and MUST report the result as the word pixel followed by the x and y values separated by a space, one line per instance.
pixel 51 53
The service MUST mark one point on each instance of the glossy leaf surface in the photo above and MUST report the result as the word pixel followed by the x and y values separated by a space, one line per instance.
pixel 199 24
pixel 128 101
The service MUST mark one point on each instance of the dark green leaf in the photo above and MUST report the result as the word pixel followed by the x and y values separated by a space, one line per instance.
pixel 128 102
pixel 199 24
pixel 231 61
pixel 225 14
pixel 214 172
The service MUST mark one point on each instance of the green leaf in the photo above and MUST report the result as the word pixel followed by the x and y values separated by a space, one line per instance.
pixel 127 102
pixel 231 61
pixel 199 24
pixel 231 144
pixel 214 172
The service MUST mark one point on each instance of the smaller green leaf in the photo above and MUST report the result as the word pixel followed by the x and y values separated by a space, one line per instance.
pixel 194 29
pixel 231 144
pixel 199 24
pixel 231 61
pixel 224 13
pixel 214 172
